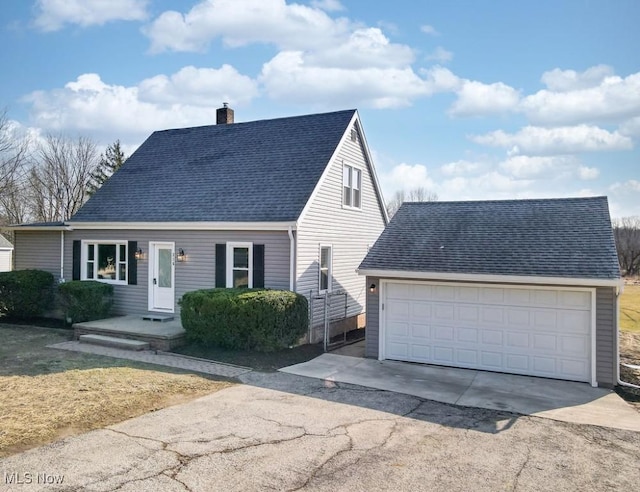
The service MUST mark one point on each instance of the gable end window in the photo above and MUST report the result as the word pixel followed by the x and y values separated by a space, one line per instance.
pixel 351 186
pixel 325 267
pixel 105 261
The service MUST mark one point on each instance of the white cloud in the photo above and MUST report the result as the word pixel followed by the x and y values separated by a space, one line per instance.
pixel 534 140
pixel 587 173
pixel 365 48
pixel 477 99
pixel 328 5
pixel 53 15
pixel 631 128
pixel 631 185
pixel 569 80
pixel 407 177
pixel 289 77
pixel 612 99
pixel 239 23
pixel 186 98
pixel 427 29
pixel 440 55
pixel 199 86
pixel 523 166
pixel 459 168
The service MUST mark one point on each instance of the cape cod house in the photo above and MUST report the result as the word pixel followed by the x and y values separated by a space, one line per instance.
pixel 288 203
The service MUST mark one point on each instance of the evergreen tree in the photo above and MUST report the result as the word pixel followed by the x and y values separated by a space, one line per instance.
pixel 110 162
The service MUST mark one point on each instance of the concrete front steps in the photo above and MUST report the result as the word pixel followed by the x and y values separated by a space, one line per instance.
pixel 157 330
pixel 113 342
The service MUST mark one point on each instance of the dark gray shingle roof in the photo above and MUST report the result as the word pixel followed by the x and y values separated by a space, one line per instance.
pixel 243 172
pixel 570 237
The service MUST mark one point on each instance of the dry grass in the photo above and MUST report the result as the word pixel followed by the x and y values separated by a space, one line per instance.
pixel 630 309
pixel 38 409
pixel 48 393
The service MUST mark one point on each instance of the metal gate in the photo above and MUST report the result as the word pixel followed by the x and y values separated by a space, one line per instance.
pixel 326 310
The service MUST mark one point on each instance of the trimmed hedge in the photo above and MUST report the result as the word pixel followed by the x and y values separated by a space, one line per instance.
pixel 25 293
pixel 86 300
pixel 246 319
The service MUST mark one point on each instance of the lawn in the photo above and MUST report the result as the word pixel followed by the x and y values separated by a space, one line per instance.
pixel 630 309
pixel 49 393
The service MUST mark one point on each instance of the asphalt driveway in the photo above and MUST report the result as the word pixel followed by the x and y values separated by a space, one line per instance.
pixel 285 432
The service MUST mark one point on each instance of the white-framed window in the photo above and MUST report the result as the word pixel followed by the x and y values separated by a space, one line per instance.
pixel 240 265
pixel 351 186
pixel 325 267
pixel 105 261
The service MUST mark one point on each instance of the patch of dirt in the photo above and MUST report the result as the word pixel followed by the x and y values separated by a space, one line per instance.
pixel 49 393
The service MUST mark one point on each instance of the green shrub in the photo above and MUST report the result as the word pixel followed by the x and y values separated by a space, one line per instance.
pixel 245 319
pixel 25 293
pixel 86 300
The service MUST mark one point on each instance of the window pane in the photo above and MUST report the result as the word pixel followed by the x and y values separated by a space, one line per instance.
pixel 90 272
pixel 356 198
pixel 90 252
pixel 240 278
pixel 122 274
pixel 123 253
pixel 357 175
pixel 324 257
pixel 240 257
pixel 347 196
pixel 107 261
pixel 324 279
pixel 346 176
pixel 164 267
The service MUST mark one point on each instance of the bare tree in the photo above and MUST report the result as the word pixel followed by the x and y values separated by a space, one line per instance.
pixel 627 234
pixel 13 154
pixel 58 181
pixel 418 194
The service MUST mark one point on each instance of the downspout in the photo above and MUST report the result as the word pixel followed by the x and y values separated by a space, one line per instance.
pixel 620 382
pixel 292 259
pixel 61 280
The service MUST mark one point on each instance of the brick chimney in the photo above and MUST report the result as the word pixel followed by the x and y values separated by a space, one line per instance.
pixel 224 115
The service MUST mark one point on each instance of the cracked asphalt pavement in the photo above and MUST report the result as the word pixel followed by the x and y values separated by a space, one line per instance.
pixel 284 432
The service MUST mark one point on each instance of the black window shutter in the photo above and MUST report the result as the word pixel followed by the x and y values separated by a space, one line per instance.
pixel 132 263
pixel 77 254
pixel 221 265
pixel 258 266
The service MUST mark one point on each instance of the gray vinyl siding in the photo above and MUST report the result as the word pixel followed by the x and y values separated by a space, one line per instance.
pixel 372 340
pixel 38 250
pixel 349 232
pixel 606 337
pixel 198 272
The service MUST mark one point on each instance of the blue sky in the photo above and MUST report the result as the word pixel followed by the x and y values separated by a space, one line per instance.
pixel 475 99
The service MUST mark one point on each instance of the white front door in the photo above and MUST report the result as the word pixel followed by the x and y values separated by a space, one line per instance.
pixel 162 277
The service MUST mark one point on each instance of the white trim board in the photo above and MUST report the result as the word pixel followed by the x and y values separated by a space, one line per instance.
pixel 483 278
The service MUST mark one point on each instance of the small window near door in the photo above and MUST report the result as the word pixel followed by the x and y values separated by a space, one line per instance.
pixel 240 265
pixel 325 269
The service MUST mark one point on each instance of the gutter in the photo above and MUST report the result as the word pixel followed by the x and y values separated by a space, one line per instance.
pixel 292 259
pixel 61 280
pixel 619 381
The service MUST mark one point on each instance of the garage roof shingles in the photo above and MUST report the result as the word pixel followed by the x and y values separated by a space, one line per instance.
pixel 569 237
pixel 259 171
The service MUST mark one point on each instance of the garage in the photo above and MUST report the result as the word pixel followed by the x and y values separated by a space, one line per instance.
pixel 527 287
pixel 520 330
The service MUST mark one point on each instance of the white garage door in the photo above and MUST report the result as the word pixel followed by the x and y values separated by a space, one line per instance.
pixel 520 330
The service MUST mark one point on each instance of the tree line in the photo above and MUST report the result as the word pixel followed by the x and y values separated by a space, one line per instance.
pixel 49 179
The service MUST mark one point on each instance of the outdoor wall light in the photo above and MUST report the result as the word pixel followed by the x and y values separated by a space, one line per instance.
pixel 139 254
pixel 372 288
pixel 182 256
